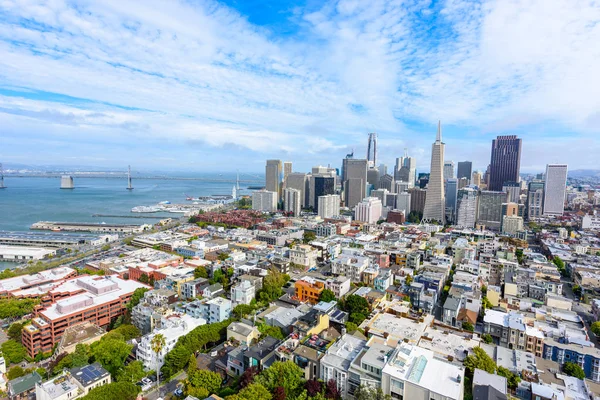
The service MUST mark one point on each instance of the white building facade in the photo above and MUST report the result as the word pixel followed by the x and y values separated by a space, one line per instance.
pixel 369 210
pixel 555 188
pixel 329 206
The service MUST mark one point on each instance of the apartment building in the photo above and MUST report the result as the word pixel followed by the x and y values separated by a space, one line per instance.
pixel 95 299
pixel 309 289
pixel 351 264
pixel 152 307
pixel 340 285
pixel 243 293
pixel 303 255
pixel 509 330
pixel 335 364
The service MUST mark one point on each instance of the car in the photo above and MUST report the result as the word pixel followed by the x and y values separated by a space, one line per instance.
pixel 178 392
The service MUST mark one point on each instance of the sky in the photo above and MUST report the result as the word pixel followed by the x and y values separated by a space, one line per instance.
pixel 225 85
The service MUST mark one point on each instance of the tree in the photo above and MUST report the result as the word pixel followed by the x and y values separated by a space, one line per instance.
pixel 111 353
pixel 512 380
pixel 282 374
pixel 15 372
pixel 313 387
pixel 409 279
pixel 137 295
pixel 368 392
pixel 81 355
pixel 13 351
pixel 242 310
pixel 574 370
pixel 223 256
pixel 157 343
pixel 65 362
pixel 596 328
pixel 308 237
pixel 279 393
pixel 248 377
pixel 480 360
pixel 577 291
pixel 268 330
pixel 114 390
pixel 486 303
pixel 255 391
pixel 332 391
pixel 202 383
pixel 14 332
pixel 487 338
pixel 200 272
pixel 132 372
pixel 351 326
pixel 125 333
pixel 327 295
pixel 192 365
pixel 16 308
pixel 467 326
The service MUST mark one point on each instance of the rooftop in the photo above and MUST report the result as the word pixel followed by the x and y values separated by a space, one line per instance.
pixel 89 374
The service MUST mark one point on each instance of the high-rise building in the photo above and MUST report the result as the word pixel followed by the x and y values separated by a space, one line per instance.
pixel 369 210
pixel 535 200
pixel 406 169
pixel 448 170
pixel 513 189
pixel 387 182
pixel 489 212
pixel 418 198
pixel 505 161
pixel 476 178
pixel 451 197
pixel 273 177
pixel 466 207
pixel 373 177
pixel 329 206
pixel 372 150
pixel 264 200
pixel 554 191
pixel 287 169
pixel 435 203
pixel 403 202
pixel 383 169
pixel 463 182
pixel 320 186
pixel 299 181
pixel 464 169
pixel 355 184
pixel 401 187
pixel 292 201
pixel 381 194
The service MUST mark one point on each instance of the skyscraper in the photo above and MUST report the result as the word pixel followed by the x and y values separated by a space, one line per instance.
pixel 514 191
pixel 287 169
pixel 328 206
pixel 476 178
pixel 489 211
pixel 406 169
pixel 321 186
pixel 448 169
pixel 554 192
pixel 466 207
pixel 292 201
pixel 535 200
pixel 505 161
pixel 273 177
pixel 264 200
pixel 369 210
pixel 355 172
pixel 464 169
pixel 418 198
pixel 299 181
pixel 435 203
pixel 387 182
pixel 451 196
pixel 403 202
pixel 382 169
pixel 372 150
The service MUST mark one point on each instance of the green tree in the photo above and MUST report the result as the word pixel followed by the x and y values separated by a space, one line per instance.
pixel 15 372
pixel 512 380
pixel 81 355
pixel 573 369
pixel 368 392
pixel 308 237
pixel 114 390
pixel 268 330
pixel 487 338
pixel 16 308
pixel 486 303
pixel 157 343
pixel 137 295
pixel 351 326
pixel 255 391
pixel 223 256
pixel 14 332
pixel 467 326
pixel 577 291
pixel 132 372
pixel 13 351
pixel 356 304
pixel 272 286
pixel 202 383
pixel 479 359
pixel 285 374
pixel 111 353
pixel 200 272
pixel 596 328
pixel 409 279
pixel 124 333
pixel 327 295
pixel 242 310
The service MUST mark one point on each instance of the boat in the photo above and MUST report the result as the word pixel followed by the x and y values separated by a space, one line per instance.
pixel 146 209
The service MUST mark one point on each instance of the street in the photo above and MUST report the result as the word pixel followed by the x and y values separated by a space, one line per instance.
pixel 167 388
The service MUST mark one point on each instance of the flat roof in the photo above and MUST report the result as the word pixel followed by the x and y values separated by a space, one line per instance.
pixel 51 275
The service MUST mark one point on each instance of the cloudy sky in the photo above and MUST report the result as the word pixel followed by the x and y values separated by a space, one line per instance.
pixel 209 85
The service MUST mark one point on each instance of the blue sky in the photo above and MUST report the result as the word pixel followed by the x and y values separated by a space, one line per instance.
pixel 207 85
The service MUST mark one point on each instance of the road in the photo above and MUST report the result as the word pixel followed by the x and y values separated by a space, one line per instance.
pixel 167 388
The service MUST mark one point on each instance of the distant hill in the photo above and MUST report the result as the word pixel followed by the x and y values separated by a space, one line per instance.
pixel 584 173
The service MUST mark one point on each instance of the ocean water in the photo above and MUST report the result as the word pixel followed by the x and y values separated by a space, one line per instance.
pixel 27 200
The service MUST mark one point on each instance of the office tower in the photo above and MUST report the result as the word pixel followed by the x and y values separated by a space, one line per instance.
pixel 373 177
pixel 463 182
pixel 403 202
pixel 372 150
pixel 556 186
pixel 466 207
pixel 264 200
pixel 356 181
pixel 381 195
pixel 535 200
pixel 476 178
pixel 489 212
pixel 435 203
pixel 320 186
pixel 451 193
pixel 505 161
pixel 513 189
pixel 321 170
pixel 423 180
pixel 292 201
pixel 406 169
pixel 486 176
pixel 300 182
pixel 418 198
pixel 329 206
pixel 391 199
pixel 464 169
pixel 402 187
pixel 369 210
pixel 382 169
pixel 448 169
pixel 287 169
pixel 273 177
pixel 348 157
pixel 387 182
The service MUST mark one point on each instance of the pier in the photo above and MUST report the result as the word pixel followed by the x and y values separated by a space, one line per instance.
pixel 128 216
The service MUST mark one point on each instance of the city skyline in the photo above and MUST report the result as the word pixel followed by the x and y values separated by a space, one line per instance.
pixel 102 84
